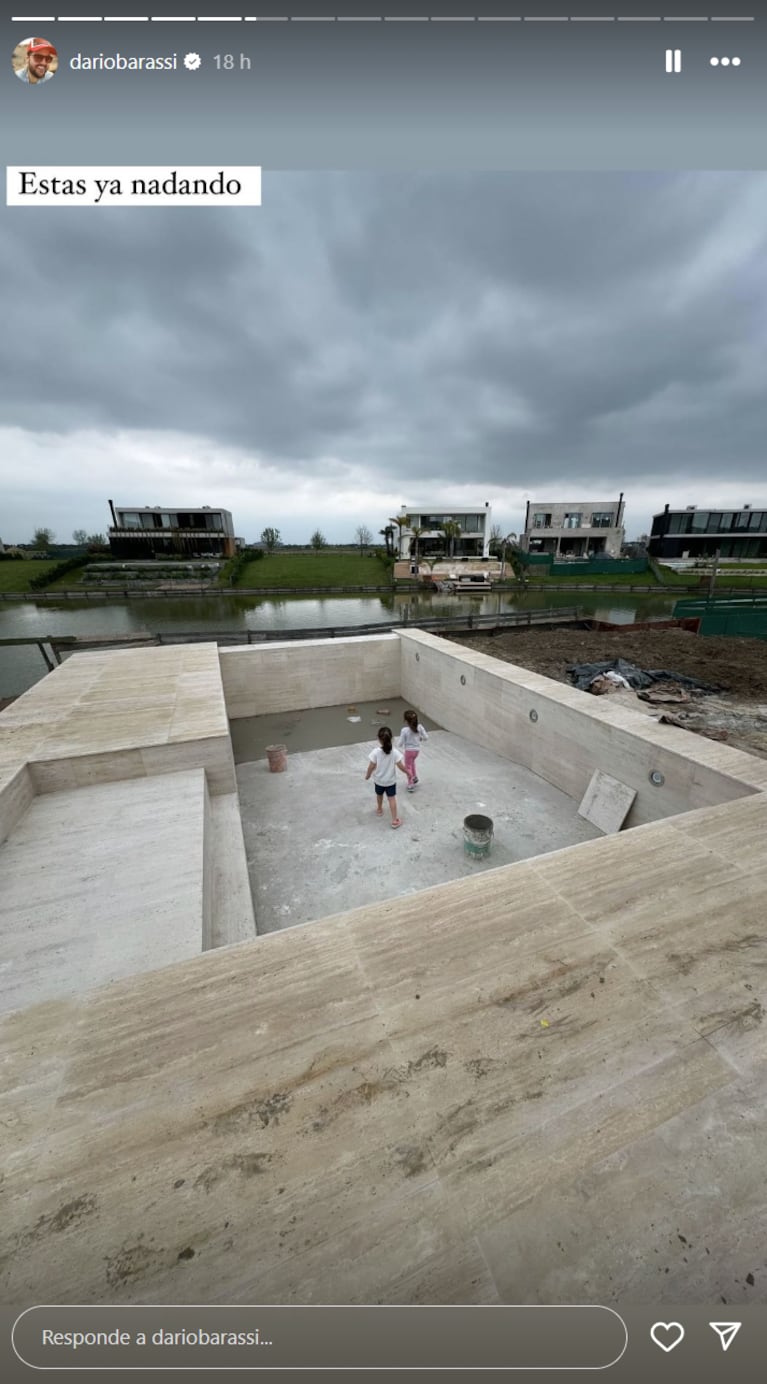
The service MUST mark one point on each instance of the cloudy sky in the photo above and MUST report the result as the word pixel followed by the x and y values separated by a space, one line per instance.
pixel 366 340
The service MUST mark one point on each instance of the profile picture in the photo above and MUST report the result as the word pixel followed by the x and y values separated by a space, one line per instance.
pixel 35 60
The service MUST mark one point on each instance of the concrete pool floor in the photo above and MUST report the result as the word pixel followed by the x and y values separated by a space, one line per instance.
pixel 315 847
pixel 318 728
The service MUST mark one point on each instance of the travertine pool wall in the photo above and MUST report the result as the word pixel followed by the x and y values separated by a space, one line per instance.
pixel 564 734
pixel 299 674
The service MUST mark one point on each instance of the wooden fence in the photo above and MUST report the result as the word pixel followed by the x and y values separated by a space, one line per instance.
pixel 54 646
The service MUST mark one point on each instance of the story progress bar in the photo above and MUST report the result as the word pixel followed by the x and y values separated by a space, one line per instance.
pixel 381 19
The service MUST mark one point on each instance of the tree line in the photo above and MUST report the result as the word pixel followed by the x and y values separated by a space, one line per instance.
pixel 44 538
pixel 501 545
pixel 451 531
pixel 270 538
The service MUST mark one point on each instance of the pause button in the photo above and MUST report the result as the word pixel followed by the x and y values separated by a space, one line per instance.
pixel 673 60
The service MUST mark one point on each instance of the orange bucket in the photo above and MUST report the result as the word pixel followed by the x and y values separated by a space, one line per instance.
pixel 278 758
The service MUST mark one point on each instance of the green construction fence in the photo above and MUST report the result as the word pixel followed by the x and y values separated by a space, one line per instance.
pixel 736 619
pixel 602 566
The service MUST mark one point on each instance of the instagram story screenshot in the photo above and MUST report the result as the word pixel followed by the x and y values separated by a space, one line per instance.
pixel 383 690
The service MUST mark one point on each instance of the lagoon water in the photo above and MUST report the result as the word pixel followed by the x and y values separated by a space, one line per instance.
pixel 22 666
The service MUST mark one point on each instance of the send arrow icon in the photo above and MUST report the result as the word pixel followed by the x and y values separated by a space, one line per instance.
pixel 726 1331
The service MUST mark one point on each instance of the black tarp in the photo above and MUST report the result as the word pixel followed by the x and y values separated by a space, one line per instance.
pixel 583 674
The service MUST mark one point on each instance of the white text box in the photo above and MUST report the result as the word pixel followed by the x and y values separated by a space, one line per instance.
pixel 127 186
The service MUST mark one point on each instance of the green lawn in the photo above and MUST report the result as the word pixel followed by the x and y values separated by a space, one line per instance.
pixel 673 578
pixel 17 574
pixel 293 570
pixel 723 580
pixel 74 578
pixel 297 570
pixel 697 580
pixel 692 580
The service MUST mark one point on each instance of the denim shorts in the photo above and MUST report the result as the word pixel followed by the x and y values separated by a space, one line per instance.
pixel 390 790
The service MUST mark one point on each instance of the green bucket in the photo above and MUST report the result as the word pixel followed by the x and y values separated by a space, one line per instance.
pixel 477 836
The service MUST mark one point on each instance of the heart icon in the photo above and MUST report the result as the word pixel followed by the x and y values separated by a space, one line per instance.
pixel 667 1335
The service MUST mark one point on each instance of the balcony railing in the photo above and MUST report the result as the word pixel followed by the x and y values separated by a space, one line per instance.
pixel 154 533
pixel 570 528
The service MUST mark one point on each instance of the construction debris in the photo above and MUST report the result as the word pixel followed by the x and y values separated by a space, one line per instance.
pixel 622 674
pixel 607 682
pixel 670 692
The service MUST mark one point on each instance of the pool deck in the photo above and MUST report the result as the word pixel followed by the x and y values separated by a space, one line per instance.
pixel 545 1081
pixel 524 1087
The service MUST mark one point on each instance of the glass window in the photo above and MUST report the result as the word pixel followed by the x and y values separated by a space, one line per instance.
pixel 679 523
pixel 602 519
pixel 726 522
pixel 572 521
pixel 741 519
pixel 541 521
pixel 755 519
pixel 130 521
pixel 714 522
pixel 700 520
pixel 763 524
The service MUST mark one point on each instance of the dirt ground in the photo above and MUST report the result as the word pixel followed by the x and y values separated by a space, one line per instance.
pixel 738 715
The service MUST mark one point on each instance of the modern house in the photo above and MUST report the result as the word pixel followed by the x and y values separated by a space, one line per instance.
pixel 693 532
pixel 581 528
pixel 472 539
pixel 151 531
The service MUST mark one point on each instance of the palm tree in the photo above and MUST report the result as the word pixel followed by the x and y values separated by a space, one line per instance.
pixel 417 532
pixel 452 531
pixel 387 535
pixel 402 522
pixel 510 546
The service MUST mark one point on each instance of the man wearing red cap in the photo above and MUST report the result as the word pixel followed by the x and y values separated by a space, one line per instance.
pixel 37 68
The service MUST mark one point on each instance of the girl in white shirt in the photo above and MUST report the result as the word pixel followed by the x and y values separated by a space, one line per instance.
pixel 384 763
pixel 412 736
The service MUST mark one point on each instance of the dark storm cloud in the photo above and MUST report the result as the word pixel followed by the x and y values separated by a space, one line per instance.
pixel 530 328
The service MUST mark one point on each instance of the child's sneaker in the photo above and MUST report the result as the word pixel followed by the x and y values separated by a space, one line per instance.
pixel 415 781
pixel 410 788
